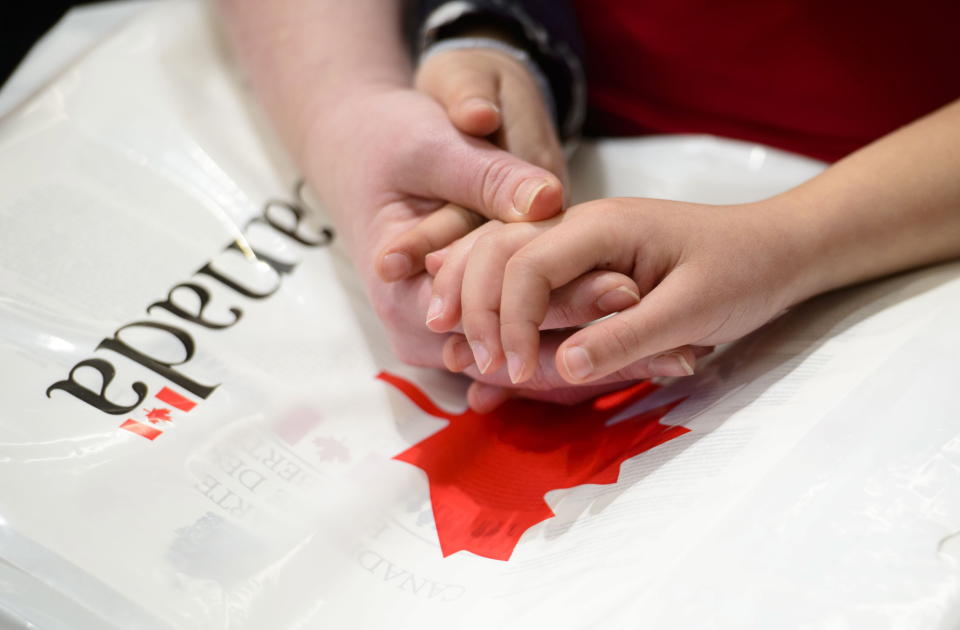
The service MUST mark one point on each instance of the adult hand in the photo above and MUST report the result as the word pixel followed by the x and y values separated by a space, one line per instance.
pixel 388 157
pixel 486 93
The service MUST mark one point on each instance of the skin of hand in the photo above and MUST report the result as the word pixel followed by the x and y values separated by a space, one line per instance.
pixel 335 79
pixel 707 274
pixel 393 191
pixel 890 206
pixel 485 93
pixel 493 388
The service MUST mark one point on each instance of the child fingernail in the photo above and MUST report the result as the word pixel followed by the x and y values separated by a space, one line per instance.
pixel 435 309
pixel 481 356
pixel 617 300
pixel 514 367
pixel 396 266
pixel 526 194
pixel 478 102
pixel 433 261
pixel 462 356
pixel 670 364
pixel 578 363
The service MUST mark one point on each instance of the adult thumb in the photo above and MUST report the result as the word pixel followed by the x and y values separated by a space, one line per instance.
pixel 477 175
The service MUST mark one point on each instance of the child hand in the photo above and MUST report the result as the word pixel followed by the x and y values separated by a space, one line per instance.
pixel 706 274
pixel 485 92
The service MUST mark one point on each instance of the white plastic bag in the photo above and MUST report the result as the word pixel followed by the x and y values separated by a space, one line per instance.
pixel 805 478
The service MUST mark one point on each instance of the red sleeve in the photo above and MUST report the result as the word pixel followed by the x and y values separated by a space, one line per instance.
pixel 817 77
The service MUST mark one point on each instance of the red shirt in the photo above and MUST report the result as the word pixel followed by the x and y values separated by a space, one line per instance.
pixel 818 77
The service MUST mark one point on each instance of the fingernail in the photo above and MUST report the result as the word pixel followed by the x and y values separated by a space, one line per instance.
pixel 670 364
pixel 514 367
pixel 432 262
pixel 435 309
pixel 462 356
pixel 526 193
pixel 617 300
pixel 396 265
pixel 481 356
pixel 578 363
pixel 478 101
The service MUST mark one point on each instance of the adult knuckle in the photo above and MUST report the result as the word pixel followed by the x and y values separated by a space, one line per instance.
pixel 493 180
pixel 566 312
pixel 621 338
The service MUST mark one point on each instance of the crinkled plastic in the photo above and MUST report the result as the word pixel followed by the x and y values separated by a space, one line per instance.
pixel 193 434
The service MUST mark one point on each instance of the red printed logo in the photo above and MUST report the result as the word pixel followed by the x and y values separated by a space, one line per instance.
pixel 488 474
pixel 159 414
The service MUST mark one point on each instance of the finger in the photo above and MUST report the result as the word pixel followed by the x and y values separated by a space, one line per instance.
pixel 482 286
pixel 475 174
pixel 443 312
pixel 547 377
pixel 457 355
pixel 433 261
pixel 487 91
pixel 467 90
pixel 586 299
pixel 404 257
pixel 591 296
pixel 663 320
pixel 401 307
pixel 527 130
pixel 484 398
pixel 574 247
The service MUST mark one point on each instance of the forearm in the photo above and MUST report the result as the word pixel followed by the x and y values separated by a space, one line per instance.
pixel 305 57
pixel 890 206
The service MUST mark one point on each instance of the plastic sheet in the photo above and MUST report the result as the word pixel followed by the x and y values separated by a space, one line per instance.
pixel 193 434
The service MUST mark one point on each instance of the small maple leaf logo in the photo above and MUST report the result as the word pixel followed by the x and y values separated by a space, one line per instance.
pixel 488 473
pixel 157 415
pixel 330 450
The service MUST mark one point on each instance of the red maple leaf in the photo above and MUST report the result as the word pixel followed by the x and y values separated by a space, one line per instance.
pixel 156 415
pixel 488 473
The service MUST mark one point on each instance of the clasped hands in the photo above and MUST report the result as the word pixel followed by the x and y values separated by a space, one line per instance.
pixel 459 235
